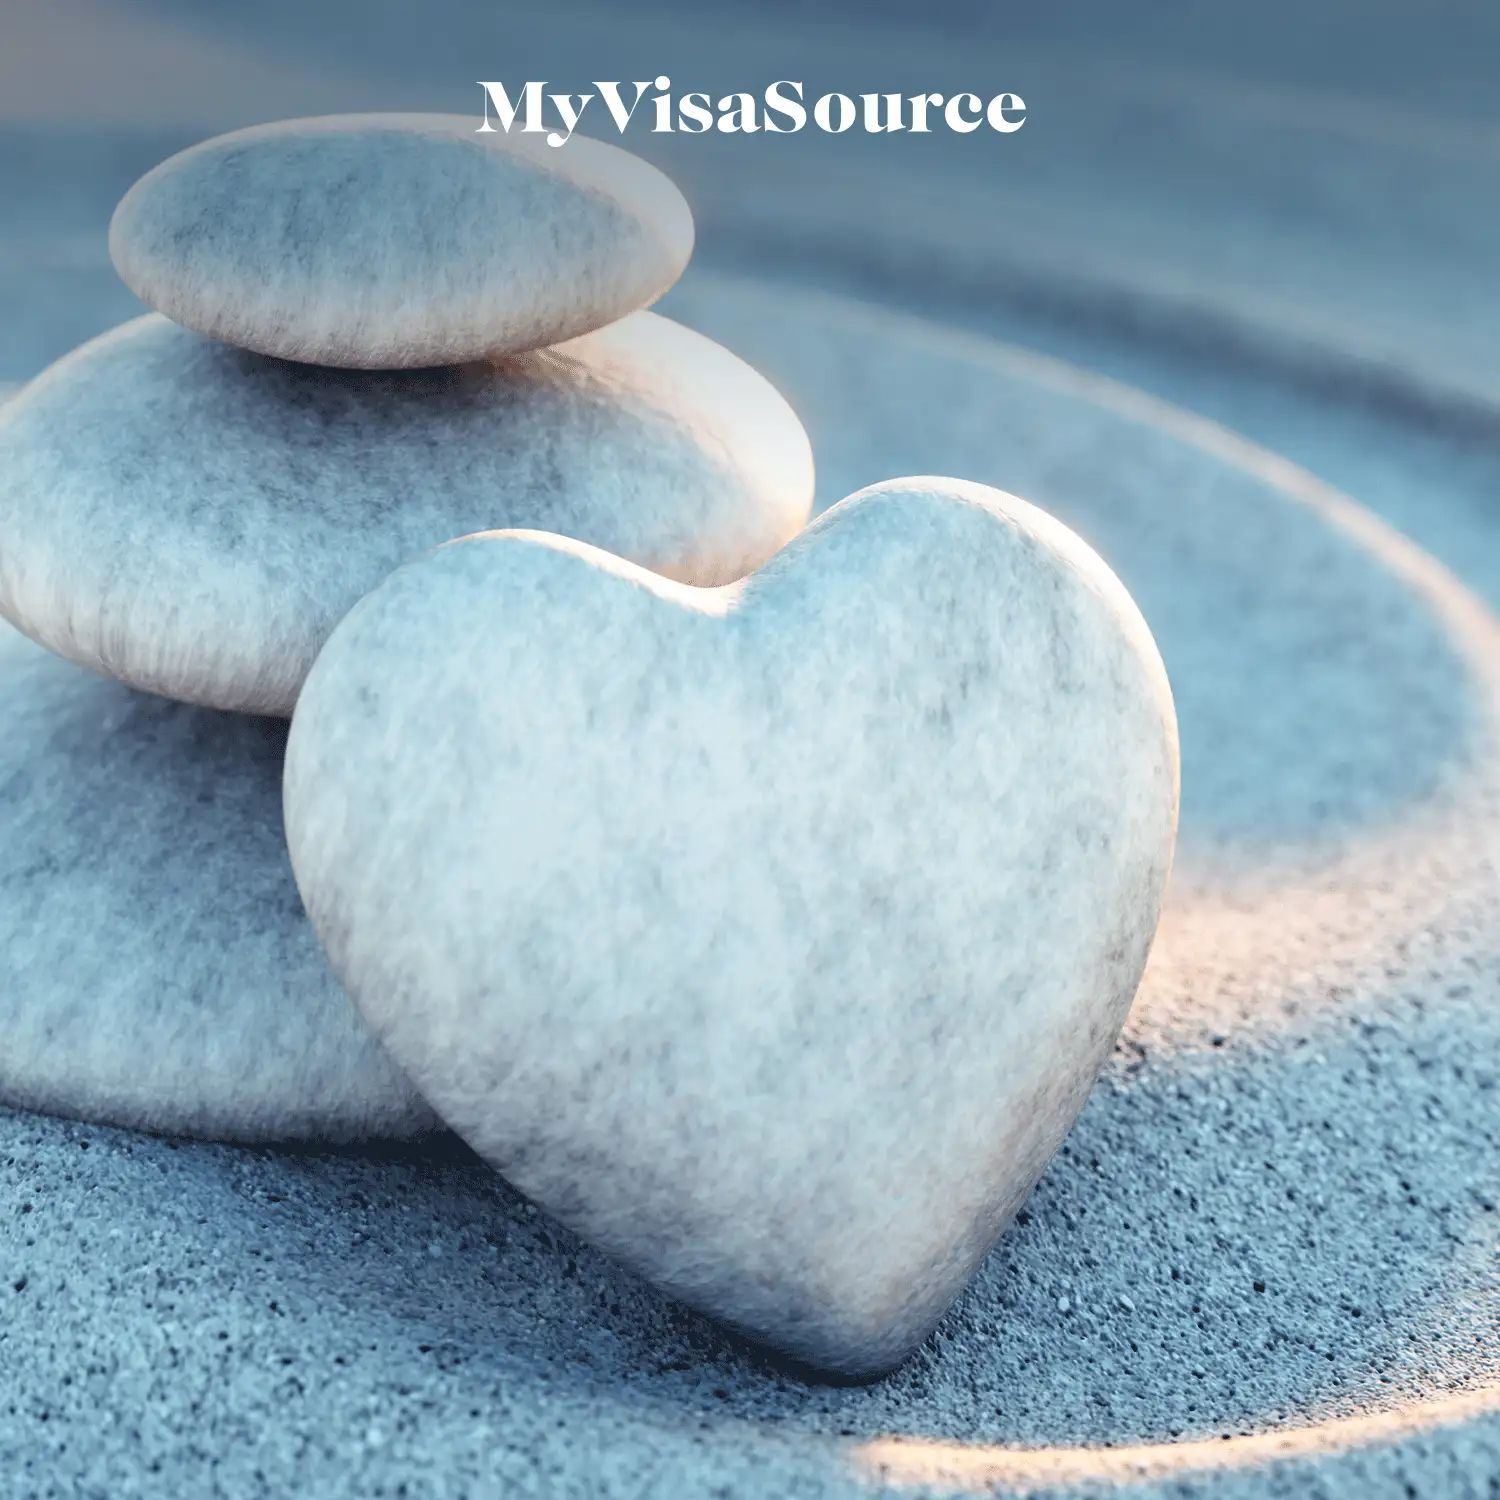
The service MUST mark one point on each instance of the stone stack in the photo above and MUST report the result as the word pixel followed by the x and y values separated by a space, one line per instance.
pixel 380 333
pixel 765 920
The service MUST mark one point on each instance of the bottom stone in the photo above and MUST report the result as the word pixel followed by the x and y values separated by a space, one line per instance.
pixel 156 967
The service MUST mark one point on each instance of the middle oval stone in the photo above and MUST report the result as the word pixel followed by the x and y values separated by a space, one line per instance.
pixel 194 519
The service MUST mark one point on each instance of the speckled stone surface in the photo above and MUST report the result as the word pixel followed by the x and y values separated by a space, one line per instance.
pixel 193 519
pixel 721 912
pixel 156 967
pixel 399 241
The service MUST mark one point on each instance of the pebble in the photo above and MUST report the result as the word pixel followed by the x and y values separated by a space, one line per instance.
pixel 398 241
pixel 771 937
pixel 193 519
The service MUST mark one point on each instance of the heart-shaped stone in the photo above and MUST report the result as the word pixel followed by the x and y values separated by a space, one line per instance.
pixel 770 936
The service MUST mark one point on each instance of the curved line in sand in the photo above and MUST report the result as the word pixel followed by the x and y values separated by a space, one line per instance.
pixel 962 1466
pixel 1216 921
pixel 1453 830
pixel 1473 627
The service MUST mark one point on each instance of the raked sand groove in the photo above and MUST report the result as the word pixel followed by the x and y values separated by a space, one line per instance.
pixel 1265 1261
pixel 958 1468
pixel 1340 889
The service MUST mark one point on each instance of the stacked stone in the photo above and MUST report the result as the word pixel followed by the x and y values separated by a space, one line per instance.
pixel 380 333
pixel 769 935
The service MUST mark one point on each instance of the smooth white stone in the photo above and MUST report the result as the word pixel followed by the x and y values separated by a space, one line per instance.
pixel 156 967
pixel 398 241
pixel 193 519
pixel 770 936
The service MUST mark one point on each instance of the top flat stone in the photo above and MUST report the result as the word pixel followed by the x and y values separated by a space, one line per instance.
pixel 398 241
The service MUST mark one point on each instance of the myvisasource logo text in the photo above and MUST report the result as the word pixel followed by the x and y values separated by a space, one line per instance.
pixel 781 108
